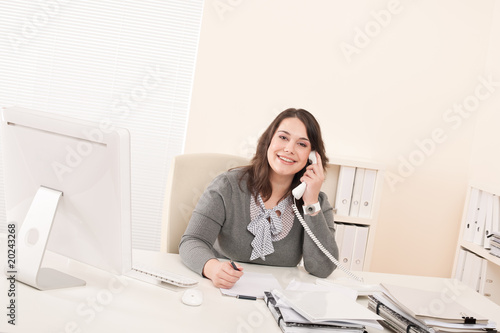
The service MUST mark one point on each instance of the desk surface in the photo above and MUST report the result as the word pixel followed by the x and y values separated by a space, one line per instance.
pixel 121 304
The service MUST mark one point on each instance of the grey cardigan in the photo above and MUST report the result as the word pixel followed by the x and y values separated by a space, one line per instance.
pixel 218 229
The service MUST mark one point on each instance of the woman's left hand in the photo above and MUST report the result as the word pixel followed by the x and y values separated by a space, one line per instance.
pixel 314 178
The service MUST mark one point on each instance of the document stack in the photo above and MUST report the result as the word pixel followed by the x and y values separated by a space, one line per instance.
pixel 495 244
pixel 410 310
pixel 319 311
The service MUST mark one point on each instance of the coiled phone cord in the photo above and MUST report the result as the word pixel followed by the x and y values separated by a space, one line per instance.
pixel 321 247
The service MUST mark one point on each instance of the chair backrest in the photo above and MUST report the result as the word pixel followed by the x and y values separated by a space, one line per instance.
pixel 188 177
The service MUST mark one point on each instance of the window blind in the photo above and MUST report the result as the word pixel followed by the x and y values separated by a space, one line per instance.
pixel 131 62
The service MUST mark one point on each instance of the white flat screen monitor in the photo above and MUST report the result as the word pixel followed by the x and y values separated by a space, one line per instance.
pixel 67 189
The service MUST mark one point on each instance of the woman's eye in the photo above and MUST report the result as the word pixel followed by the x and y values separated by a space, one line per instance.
pixel 282 137
pixel 302 144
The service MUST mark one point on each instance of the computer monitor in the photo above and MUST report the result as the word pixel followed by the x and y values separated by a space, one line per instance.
pixel 67 189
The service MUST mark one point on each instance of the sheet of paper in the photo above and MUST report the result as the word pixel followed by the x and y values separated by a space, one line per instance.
pixel 253 284
pixel 303 286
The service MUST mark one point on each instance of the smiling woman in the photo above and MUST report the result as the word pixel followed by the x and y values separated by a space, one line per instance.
pixel 246 213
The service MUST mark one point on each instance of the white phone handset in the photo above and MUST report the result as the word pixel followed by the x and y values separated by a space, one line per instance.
pixel 298 192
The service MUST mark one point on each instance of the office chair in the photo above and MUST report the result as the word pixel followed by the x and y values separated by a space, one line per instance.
pixel 188 177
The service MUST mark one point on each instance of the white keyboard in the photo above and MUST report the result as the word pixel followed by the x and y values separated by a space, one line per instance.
pixel 157 276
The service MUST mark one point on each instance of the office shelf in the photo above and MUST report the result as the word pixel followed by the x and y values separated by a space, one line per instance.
pixel 332 187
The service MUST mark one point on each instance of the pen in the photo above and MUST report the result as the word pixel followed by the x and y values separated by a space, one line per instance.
pixel 234 266
pixel 251 298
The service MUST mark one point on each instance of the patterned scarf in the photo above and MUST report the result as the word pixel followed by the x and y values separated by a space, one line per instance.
pixel 264 226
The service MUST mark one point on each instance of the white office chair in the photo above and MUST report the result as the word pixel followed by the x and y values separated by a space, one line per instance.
pixel 188 177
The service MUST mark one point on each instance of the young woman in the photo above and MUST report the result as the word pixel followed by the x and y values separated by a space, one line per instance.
pixel 246 213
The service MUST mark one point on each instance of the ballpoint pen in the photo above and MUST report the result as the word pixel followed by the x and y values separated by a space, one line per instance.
pixel 233 264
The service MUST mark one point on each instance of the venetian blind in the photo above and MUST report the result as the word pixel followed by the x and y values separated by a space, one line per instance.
pixel 128 61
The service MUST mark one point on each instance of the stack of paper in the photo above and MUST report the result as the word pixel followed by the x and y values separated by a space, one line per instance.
pixel 413 310
pixel 319 311
pixel 495 244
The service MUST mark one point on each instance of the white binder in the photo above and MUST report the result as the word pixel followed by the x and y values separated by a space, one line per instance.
pixel 356 192
pixel 488 223
pixel 344 190
pixel 472 270
pixel 345 252
pixel 459 271
pixel 471 215
pixel 365 210
pixel 495 227
pixel 481 219
pixel 358 252
pixel 339 234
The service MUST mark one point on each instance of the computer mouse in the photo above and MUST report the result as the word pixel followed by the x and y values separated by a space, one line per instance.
pixel 192 297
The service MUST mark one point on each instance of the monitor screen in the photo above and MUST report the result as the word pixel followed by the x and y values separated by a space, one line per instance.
pixel 88 164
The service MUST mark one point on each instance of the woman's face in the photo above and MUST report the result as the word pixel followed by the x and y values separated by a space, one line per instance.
pixel 289 149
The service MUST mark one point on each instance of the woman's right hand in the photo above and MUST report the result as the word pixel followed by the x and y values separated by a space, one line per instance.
pixel 222 274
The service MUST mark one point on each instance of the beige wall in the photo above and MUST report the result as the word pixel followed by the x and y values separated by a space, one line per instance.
pixel 386 95
pixel 485 159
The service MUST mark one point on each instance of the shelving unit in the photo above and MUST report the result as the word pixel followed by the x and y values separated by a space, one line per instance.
pixel 488 268
pixel 331 188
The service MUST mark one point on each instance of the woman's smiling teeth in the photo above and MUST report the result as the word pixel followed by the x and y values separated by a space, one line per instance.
pixel 286 159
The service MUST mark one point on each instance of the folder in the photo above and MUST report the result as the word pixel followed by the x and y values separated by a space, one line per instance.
pixel 344 190
pixel 495 223
pixel 459 270
pixel 419 304
pixel 480 221
pixel 472 270
pixel 471 214
pixel 365 210
pixel 356 192
pixel 319 306
pixel 345 252
pixel 488 223
pixel 358 252
pixel 492 280
pixel 339 234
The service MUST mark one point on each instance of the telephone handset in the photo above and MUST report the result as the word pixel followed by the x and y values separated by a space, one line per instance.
pixel 297 193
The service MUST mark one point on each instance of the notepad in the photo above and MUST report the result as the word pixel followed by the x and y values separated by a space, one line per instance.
pixel 253 284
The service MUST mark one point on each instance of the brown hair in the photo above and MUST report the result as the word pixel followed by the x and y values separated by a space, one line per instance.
pixel 259 168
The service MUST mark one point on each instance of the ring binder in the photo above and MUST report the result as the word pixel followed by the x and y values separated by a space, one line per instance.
pixel 469 320
pixel 409 327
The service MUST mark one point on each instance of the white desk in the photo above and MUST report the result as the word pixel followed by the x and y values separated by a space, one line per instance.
pixel 121 304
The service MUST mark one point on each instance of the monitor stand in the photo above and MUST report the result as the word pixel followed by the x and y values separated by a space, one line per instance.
pixel 32 243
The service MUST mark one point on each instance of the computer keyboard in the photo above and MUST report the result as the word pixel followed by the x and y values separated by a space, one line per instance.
pixel 157 276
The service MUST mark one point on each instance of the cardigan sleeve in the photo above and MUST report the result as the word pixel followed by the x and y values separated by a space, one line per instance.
pixel 321 225
pixel 197 244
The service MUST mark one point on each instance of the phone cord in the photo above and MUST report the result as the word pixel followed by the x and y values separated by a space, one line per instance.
pixel 322 248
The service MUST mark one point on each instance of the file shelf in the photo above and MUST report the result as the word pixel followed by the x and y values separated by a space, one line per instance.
pixel 471 244
pixel 358 183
